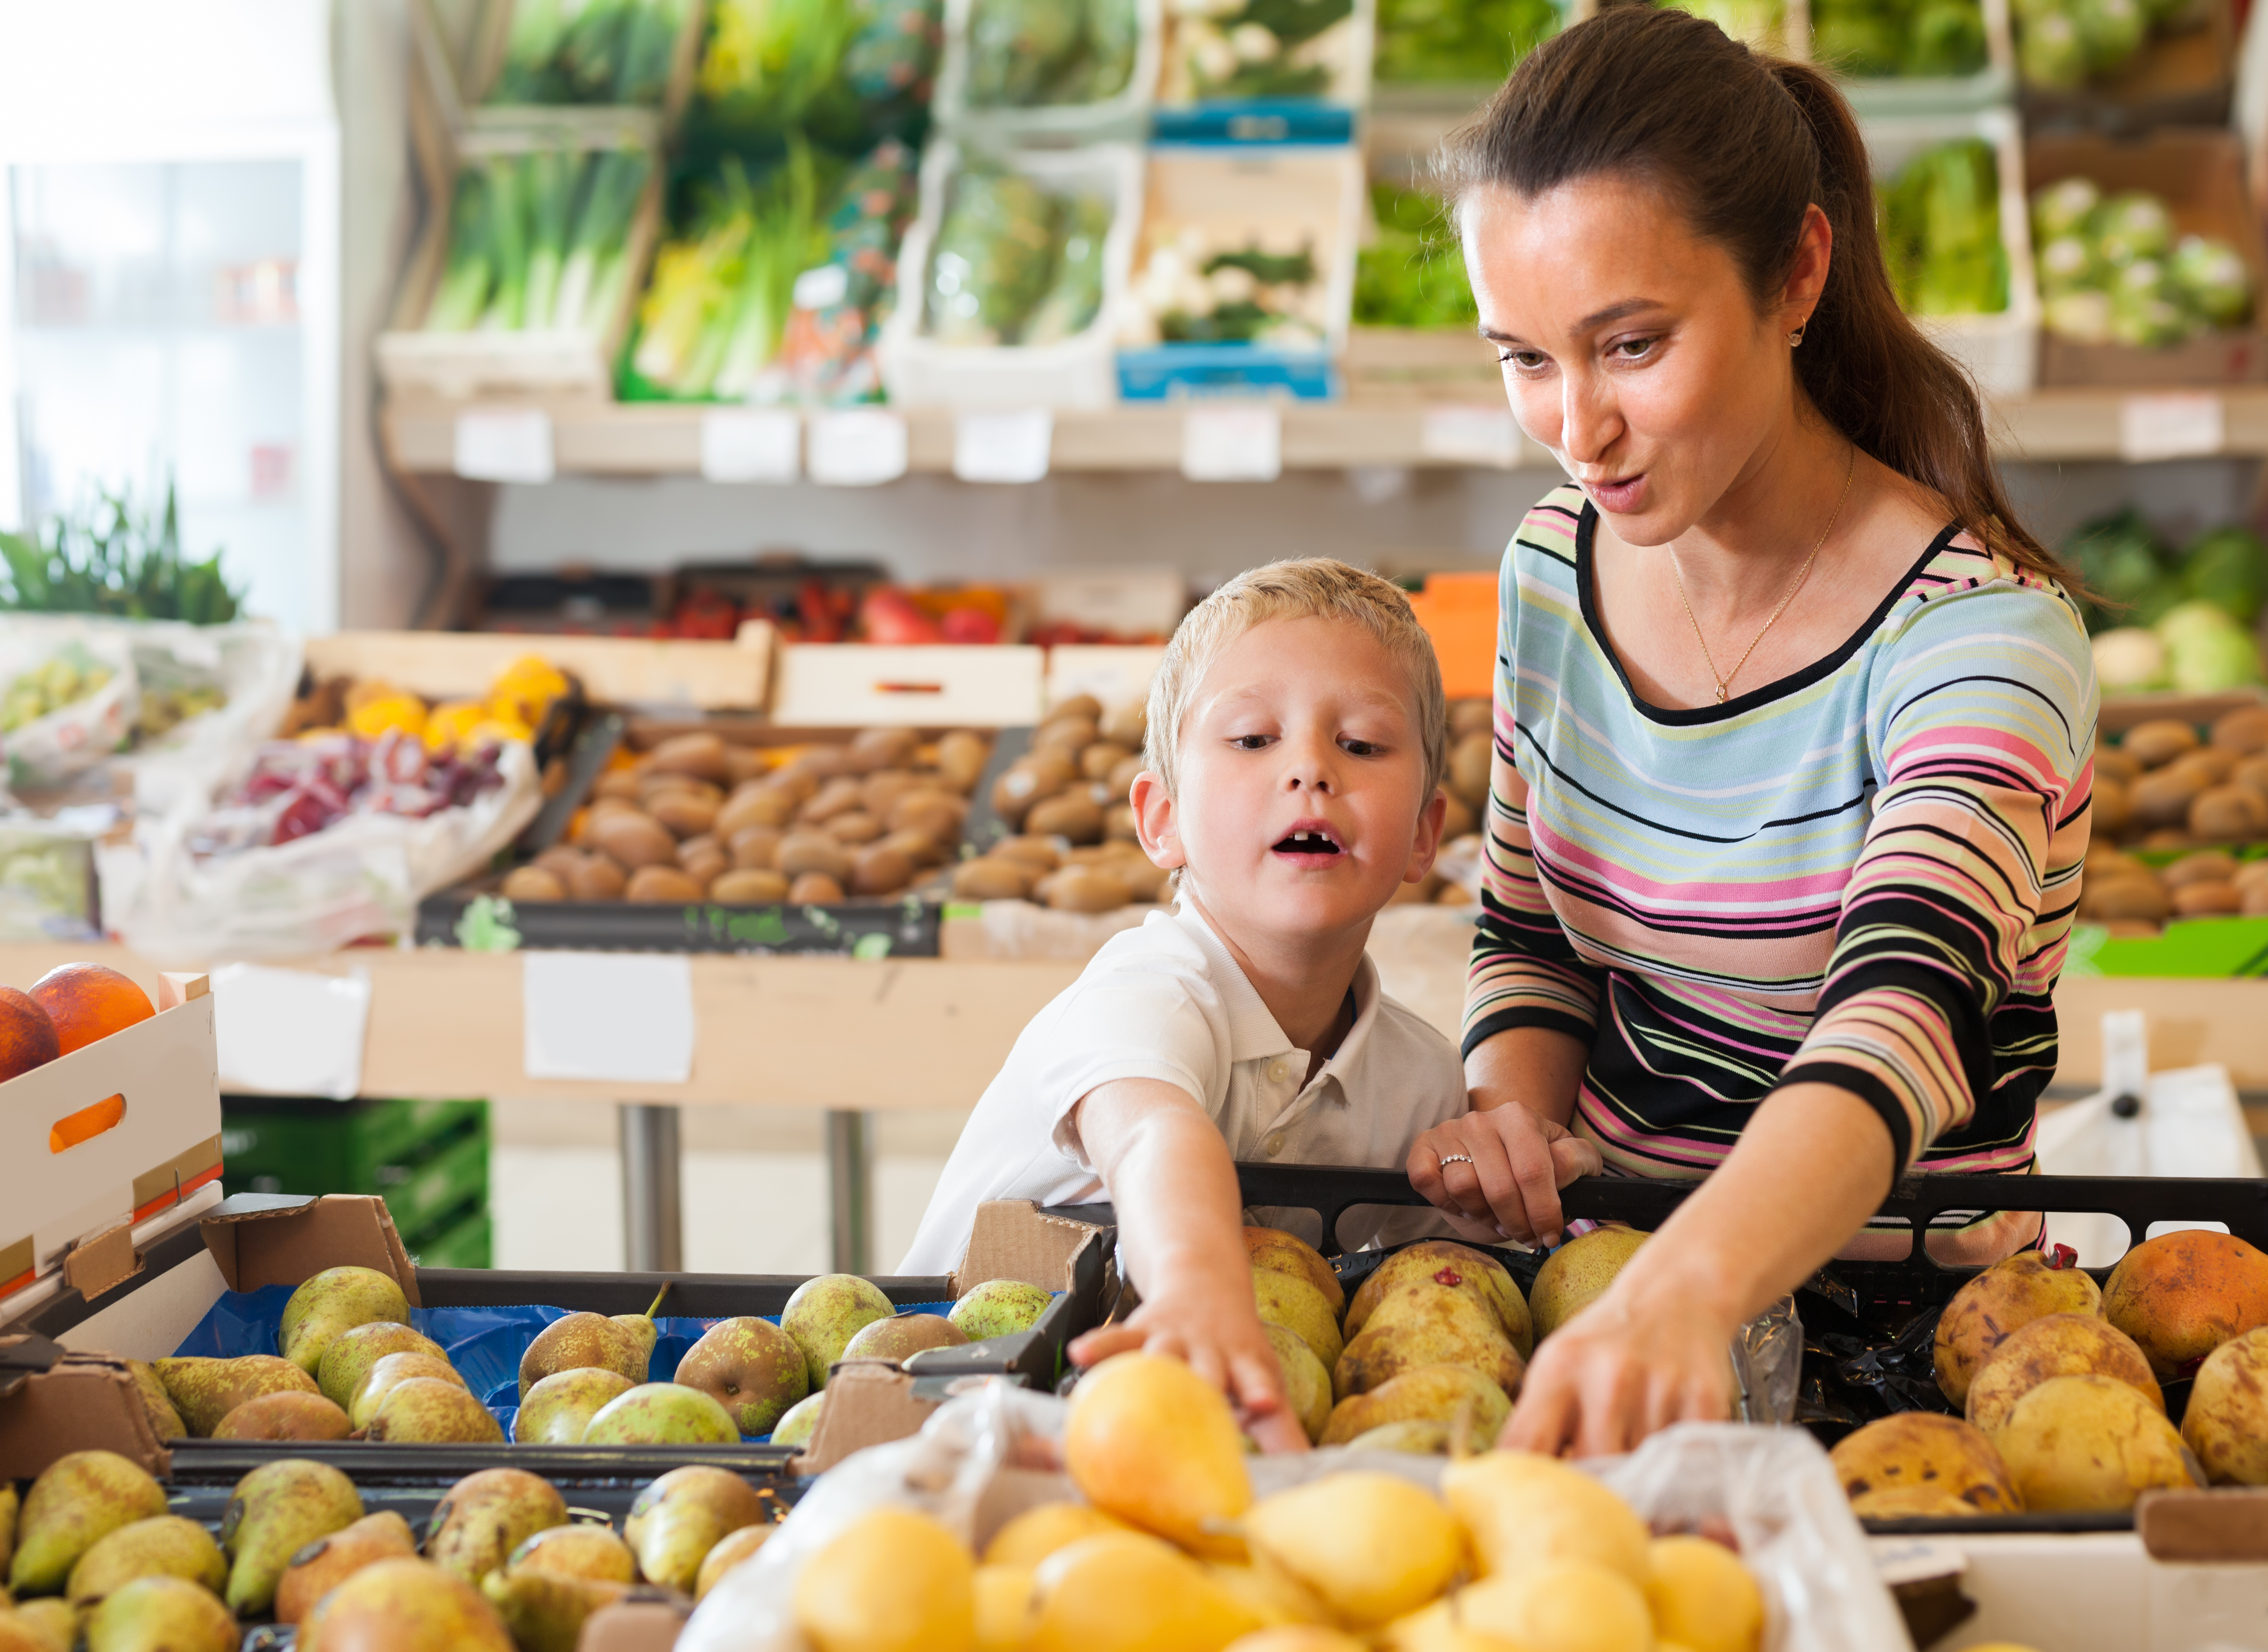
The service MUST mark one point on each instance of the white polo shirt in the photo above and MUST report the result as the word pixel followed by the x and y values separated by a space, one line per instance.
pixel 1167 1001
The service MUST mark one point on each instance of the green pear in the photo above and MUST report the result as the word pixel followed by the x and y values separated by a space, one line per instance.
pixel 751 1368
pixel 160 1614
pixel 801 1423
pixel 545 1610
pixel 275 1511
pixel 906 1335
pixel 678 1518
pixel 426 1411
pixel 484 1517
pixel 1306 1380
pixel 206 1391
pixel 1414 1435
pixel 557 1409
pixel 359 1348
pixel 41 1625
pixel 581 1341
pixel 578 1550
pixel 164 1546
pixel 8 1508
pixel 335 1301
pixel 389 1372
pixel 999 1307
pixel 404 1606
pixel 1300 1307
pixel 1578 1274
pixel 165 1420
pixel 661 1413
pixel 826 1312
pixel 326 1562
pixel 284 1417
pixel 78 1499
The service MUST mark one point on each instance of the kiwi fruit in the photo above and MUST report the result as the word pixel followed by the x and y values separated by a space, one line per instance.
pixel 1036 852
pixel 1467 716
pixel 2243 731
pixel 1119 825
pixel 855 826
pixel 1126 725
pixel 757 804
pixel 599 878
pixel 2208 866
pixel 633 839
pixel 1067 735
pixel 873 749
pixel 929 810
pixel 533 884
pixel 882 870
pixel 687 813
pixel 1074 814
pixel 2162 798
pixel 755 848
pixel 750 886
pixel 992 878
pixel 701 755
pixel 1083 890
pixel 1468 768
pixel 2229 815
pixel 961 756
pixel 838 796
pixel 2160 742
pixel 2207 900
pixel 2112 808
pixel 2121 765
pixel 661 884
pixel 1027 780
pixel 621 783
pixel 2125 897
pixel 814 889
pixel 802 853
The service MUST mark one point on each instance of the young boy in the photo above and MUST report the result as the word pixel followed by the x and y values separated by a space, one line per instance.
pixel 1296 745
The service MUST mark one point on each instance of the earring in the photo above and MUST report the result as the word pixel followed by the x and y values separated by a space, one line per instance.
pixel 1796 337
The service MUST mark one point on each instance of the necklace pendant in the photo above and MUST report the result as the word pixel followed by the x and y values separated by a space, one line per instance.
pixel 1721 694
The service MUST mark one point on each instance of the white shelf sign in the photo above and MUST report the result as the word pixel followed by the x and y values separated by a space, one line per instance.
pixel 2172 424
pixel 751 443
pixel 290 1032
pixel 504 445
pixel 1010 447
pixel 856 448
pixel 606 1015
pixel 1232 444
pixel 1455 435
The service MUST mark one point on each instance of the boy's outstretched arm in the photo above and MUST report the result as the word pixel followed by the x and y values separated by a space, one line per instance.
pixel 1181 1235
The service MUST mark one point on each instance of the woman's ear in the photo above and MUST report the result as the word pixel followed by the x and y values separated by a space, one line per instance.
pixel 1154 820
pixel 1427 843
pixel 1807 275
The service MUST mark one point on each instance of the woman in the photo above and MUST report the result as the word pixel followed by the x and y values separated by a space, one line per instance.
pixel 1793 722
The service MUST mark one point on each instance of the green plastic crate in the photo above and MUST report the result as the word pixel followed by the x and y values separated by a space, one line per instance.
pixel 323 1147
pixel 418 1196
pixel 465 1241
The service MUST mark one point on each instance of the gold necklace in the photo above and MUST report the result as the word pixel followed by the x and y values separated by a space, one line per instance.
pixel 1850 469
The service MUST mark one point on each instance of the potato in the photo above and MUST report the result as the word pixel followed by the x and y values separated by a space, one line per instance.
pixel 2248 872
pixel 705 864
pixel 2112 809
pixel 876 748
pixel 1036 852
pixel 654 784
pixel 560 860
pixel 621 783
pixel 838 796
pixel 755 848
pixel 1068 735
pixel 1083 890
pixel 1468 768
pixel 814 765
pixel 701 755
pixel 802 853
pixel 2207 900
pixel 2124 897
pixel 992 878
pixel 635 840
pixel 814 889
pixel 2207 865
pixel 854 827
pixel 2208 767
pixel 1127 724
pixel 2167 837
pixel 1074 816
pixel 886 786
pixel 1118 824
pixel 2103 858
pixel 599 878
pixel 661 885
pixel 1097 761
pixel 533 884
pixel 744 763
pixel 2229 815
pixel 759 803
pixel 881 871
pixel 1120 781
pixel 1457 821
pixel 2244 731
pixel 1143 880
pixel 929 810
pixel 1027 781
pixel 2160 742
pixel 1077 706
pixel 961 756
pixel 2120 764
pixel 687 813
pixel 1469 716
pixel 2162 798
pixel 1453 894
pixel 2252 771
pixel 916 846
pixel 750 886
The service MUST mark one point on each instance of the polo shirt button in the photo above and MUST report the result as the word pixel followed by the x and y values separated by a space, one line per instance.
pixel 1276 1070
pixel 1274 1144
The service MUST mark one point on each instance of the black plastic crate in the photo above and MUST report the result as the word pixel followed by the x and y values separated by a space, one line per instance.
pixel 903 926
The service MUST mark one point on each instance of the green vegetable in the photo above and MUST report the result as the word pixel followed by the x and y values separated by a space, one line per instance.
pixel 2129 660
pixel 1946 37
pixel 2112 272
pixel 539 241
pixel 2131 225
pixel 588 51
pixel 995 257
pixel 1855 38
pixel 1942 231
pixel 2051 52
pixel 1459 39
pixel 782 54
pixel 2064 208
pixel 1027 54
pixel 2060 44
pixel 1413 274
pixel 2207 652
pixel 2212 279
pixel 2228 568
pixel 1258 49
pixel 2120 561
pixel 113 561
pixel 2111 31
pixel 1756 22
pixel 1076 297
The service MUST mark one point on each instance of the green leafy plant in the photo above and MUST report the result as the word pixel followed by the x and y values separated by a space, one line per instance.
pixel 112 560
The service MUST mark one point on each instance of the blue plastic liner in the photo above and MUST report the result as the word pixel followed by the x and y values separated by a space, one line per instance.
pixel 484 1342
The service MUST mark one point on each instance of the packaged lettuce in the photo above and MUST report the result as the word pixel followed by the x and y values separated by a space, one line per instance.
pixel 2133 224
pixel 1942 231
pixel 2212 278
pixel 2064 208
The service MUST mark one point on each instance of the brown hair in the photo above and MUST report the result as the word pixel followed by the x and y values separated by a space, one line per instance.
pixel 1743 145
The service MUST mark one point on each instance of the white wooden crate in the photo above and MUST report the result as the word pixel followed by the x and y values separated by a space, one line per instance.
pixel 854 685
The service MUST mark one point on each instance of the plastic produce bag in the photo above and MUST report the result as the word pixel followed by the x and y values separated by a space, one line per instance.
pixel 988 1455
pixel 67 698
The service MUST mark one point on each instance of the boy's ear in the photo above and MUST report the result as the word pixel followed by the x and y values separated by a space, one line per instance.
pixel 1427 843
pixel 1154 820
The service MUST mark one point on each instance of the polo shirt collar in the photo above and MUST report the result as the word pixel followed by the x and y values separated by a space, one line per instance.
pixel 1252 1031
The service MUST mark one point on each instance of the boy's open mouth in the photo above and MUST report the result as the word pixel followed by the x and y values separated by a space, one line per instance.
pixel 1306 842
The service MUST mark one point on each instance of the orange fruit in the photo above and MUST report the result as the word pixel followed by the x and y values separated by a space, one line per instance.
pixel 87 1001
pixel 27 1038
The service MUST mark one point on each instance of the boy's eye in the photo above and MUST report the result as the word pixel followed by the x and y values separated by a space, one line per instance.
pixel 1252 742
pixel 1361 747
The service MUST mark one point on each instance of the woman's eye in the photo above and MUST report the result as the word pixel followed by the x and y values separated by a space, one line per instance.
pixel 1524 360
pixel 1632 349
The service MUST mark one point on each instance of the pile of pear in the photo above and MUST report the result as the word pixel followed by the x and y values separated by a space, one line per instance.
pixel 2059 1383
pixel 1429 1353
pixel 94 1560
pixel 1169 1547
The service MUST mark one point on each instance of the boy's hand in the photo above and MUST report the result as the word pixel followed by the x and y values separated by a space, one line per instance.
pixel 1223 1343
pixel 1510 1190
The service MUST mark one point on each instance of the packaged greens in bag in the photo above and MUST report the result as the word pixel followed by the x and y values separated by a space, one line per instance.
pixel 1019 51
pixel 994 259
pixel 1076 299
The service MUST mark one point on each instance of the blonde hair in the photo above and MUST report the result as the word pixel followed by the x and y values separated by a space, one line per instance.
pixel 1314 587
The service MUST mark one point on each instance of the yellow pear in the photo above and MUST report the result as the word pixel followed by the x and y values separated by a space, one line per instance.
pixel 1446 1394
pixel 2090 1444
pixel 1036 1533
pixel 1420 1323
pixel 1702 1597
pixel 1275 1596
pixel 1150 1440
pixel 1305 1637
pixel 1447 1263
pixel 1437 1629
pixel 1006 1608
pixel 1132 1594
pixel 1306 1380
pixel 892 1581
pixel 1522 1510
pixel 1372 1547
pixel 1561 1606
pixel 1578 1274
pixel 1924 1451
pixel 1298 1306
pixel 1280 1252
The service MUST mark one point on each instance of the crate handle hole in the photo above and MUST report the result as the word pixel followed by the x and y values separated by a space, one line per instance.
pixel 86 1123
pixel 910 687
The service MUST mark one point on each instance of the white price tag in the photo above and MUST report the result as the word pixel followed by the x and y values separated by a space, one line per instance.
pixel 504 445
pixel 856 448
pixel 2175 424
pixel 290 1032
pixel 1469 436
pixel 1232 444
pixel 1003 447
pixel 751 443
pixel 623 1016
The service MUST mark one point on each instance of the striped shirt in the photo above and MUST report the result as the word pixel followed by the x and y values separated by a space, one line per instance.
pixel 1862 874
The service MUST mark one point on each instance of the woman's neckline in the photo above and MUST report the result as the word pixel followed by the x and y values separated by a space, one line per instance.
pixel 1587 590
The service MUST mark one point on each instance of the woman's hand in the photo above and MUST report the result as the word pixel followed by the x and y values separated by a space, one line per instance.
pixel 1218 1330
pixel 1511 1187
pixel 1630 1363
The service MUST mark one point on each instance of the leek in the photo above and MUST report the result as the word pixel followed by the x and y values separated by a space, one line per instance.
pixel 787 240
pixel 588 51
pixel 551 177
pixel 465 281
pixel 598 263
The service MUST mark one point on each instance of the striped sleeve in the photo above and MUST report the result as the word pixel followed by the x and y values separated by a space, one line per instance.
pixel 1524 970
pixel 1983 726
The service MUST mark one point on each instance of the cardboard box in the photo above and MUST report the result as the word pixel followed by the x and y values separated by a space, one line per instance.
pixel 2183 75
pixel 2201 176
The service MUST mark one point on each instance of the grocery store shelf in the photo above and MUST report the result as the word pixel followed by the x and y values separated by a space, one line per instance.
pixel 630 439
